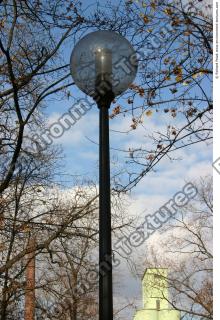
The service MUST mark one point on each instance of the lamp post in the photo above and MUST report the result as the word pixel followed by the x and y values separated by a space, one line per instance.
pixel 103 64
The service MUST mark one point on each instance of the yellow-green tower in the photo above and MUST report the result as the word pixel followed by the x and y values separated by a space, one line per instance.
pixel 155 297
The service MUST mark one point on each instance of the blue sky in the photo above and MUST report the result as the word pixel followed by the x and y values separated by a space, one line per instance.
pixel 81 155
pixel 81 158
pixel 80 149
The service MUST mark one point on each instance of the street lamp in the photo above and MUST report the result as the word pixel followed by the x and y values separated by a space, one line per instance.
pixel 103 64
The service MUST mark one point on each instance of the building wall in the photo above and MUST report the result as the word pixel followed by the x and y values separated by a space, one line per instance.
pixel 154 287
pixel 155 295
pixel 157 315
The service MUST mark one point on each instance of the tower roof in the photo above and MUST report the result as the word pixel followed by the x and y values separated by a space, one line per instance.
pixel 155 270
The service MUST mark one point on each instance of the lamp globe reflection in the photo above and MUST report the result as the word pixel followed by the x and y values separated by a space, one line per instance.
pixel 103 62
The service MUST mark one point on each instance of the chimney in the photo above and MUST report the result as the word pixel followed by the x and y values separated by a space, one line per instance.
pixel 29 311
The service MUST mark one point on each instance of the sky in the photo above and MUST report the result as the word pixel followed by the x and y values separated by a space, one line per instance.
pixel 155 189
pixel 80 150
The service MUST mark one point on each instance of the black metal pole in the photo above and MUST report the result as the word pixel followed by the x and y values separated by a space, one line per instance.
pixel 105 241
